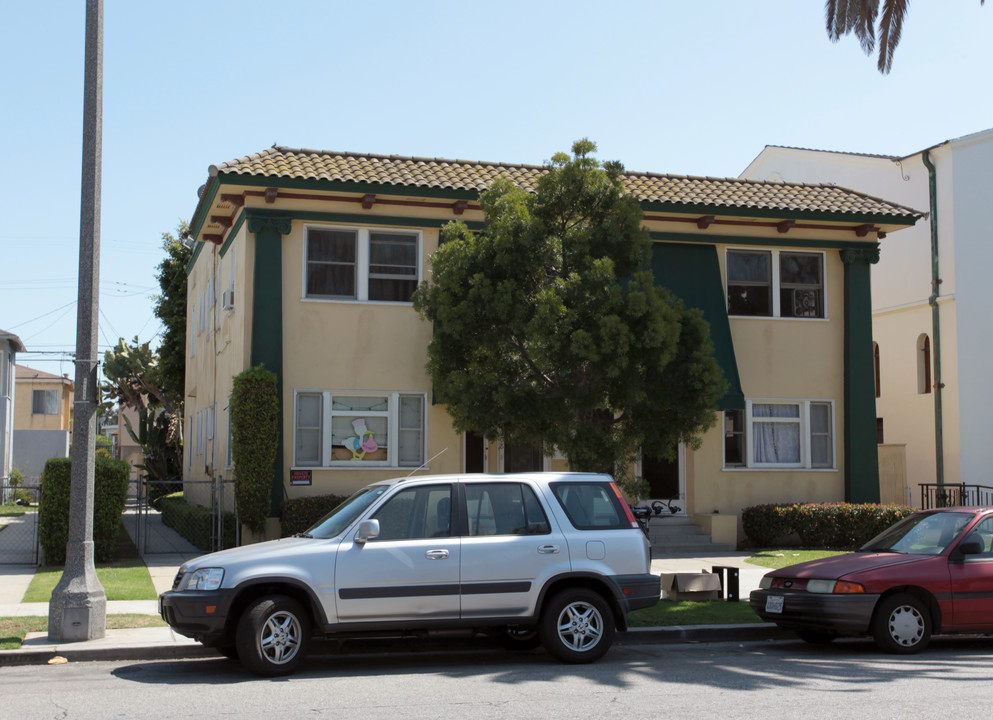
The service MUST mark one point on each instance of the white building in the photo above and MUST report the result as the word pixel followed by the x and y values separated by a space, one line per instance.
pixel 10 345
pixel 933 335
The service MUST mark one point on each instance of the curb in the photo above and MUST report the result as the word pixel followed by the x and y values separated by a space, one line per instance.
pixel 755 632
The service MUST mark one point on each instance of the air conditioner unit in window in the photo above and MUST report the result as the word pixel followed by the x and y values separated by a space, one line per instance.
pixel 805 303
pixel 227 300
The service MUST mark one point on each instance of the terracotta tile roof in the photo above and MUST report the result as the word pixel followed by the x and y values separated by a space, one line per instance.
pixel 693 192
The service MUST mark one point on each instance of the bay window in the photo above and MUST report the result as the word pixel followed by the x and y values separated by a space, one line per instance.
pixel 338 429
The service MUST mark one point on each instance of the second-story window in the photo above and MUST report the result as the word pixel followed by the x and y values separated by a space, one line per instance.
pixel 775 283
pixel 361 264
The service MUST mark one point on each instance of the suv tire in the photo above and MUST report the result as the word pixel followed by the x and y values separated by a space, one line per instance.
pixel 577 626
pixel 273 635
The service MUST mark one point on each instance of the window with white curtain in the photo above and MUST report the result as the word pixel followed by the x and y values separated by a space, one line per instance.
pixel 780 434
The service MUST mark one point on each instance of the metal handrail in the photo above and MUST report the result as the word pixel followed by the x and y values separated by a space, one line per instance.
pixel 939 495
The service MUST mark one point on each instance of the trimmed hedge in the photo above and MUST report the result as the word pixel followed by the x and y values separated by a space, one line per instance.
pixel 194 522
pixel 299 514
pixel 254 439
pixel 819 525
pixel 110 489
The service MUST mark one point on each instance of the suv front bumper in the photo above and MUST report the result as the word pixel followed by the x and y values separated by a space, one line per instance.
pixel 196 613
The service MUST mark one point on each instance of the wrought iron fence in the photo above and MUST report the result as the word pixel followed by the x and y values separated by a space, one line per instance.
pixel 19 524
pixel 190 523
pixel 934 495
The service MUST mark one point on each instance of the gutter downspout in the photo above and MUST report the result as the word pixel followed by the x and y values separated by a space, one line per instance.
pixel 939 451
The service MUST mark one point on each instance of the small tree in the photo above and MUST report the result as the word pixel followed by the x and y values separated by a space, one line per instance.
pixel 254 437
pixel 134 380
pixel 550 330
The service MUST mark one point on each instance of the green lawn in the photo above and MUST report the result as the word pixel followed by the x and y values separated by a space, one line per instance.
pixel 15 510
pixel 667 613
pixel 775 559
pixel 121 580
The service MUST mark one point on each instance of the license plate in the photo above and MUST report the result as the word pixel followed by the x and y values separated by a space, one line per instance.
pixel 774 604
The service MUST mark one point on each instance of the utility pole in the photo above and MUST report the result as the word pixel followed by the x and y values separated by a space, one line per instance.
pixel 78 608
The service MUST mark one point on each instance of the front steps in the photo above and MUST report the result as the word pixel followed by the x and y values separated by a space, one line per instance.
pixel 675 535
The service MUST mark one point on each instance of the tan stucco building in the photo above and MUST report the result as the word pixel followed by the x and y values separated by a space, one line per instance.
pixel 304 261
pixel 42 419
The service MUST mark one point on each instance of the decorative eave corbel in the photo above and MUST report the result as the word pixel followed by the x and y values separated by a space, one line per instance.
pixel 368 200
pixel 271 194
pixel 705 221
pixel 459 206
pixel 222 220
pixel 863 230
pixel 213 238
pixel 236 199
pixel 785 226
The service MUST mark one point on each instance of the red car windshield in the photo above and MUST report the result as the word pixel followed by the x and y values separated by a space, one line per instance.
pixel 924 534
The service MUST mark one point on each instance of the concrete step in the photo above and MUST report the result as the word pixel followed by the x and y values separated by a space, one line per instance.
pixel 679 535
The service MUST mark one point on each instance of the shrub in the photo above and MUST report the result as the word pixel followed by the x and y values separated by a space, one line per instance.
pixel 298 514
pixel 828 525
pixel 254 437
pixel 195 523
pixel 110 489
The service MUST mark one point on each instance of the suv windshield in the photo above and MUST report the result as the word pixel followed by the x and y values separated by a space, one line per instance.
pixel 344 515
pixel 920 534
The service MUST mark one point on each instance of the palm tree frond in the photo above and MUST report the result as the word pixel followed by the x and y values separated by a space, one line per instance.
pixel 890 28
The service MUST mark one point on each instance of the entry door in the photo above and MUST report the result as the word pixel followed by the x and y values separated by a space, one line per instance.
pixel 666 478
pixel 411 571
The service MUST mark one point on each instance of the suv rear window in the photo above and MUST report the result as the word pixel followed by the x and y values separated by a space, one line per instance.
pixel 591 505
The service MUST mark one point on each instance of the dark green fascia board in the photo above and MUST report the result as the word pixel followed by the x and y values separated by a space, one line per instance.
pixel 355 218
pixel 203 205
pixel 344 186
pixel 773 214
pixel 709 239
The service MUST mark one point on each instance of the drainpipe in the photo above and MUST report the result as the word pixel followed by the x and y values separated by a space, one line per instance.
pixel 939 450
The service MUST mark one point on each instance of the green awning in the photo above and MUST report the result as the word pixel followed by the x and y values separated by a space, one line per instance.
pixel 693 273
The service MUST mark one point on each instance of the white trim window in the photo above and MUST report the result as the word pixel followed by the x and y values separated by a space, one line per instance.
pixel 775 283
pixel 364 264
pixel 44 402
pixel 351 429
pixel 780 434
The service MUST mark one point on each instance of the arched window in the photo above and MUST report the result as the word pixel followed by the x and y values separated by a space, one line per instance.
pixel 875 365
pixel 923 364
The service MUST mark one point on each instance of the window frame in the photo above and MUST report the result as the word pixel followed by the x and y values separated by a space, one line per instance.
pixel 394 431
pixel 362 265
pixel 775 283
pixel 50 401
pixel 806 433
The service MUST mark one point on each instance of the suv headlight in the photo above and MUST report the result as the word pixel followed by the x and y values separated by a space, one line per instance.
pixel 203 579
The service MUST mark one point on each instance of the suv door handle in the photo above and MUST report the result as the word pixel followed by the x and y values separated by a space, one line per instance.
pixel 548 550
pixel 436 554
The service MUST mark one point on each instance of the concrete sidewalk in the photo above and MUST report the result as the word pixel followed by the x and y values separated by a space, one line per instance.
pixel 158 643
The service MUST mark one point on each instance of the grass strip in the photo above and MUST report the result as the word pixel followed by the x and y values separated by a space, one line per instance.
pixel 667 613
pixel 121 580
pixel 14 629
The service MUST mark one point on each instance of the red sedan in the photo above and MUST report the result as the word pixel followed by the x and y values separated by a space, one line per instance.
pixel 931 573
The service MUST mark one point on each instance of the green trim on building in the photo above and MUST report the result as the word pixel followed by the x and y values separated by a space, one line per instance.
pixel 349 186
pixel 784 241
pixel 267 322
pixel 861 451
pixel 693 273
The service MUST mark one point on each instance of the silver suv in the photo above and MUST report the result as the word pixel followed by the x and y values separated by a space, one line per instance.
pixel 540 558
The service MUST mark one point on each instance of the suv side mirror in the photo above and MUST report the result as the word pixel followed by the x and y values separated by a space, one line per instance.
pixel 368 529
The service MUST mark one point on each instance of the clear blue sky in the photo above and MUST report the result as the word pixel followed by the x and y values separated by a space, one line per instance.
pixel 690 88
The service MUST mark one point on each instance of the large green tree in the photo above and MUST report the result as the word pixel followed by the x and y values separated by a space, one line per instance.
pixel 550 330
pixel 859 17
pixel 170 309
